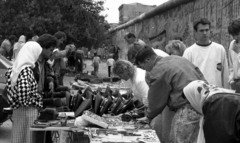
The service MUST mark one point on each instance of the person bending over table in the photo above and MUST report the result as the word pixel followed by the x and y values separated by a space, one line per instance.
pixel 220 109
pixel 167 78
pixel 135 76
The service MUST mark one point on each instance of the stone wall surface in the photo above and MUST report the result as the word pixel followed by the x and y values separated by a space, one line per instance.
pixel 178 22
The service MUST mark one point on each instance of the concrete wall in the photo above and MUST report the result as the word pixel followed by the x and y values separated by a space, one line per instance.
pixel 158 30
pixel 130 11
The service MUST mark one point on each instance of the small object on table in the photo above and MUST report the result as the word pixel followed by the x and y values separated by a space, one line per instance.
pixel 94 119
pixel 126 117
pixel 63 119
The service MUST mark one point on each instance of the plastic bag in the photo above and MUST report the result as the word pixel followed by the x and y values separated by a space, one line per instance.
pixel 80 122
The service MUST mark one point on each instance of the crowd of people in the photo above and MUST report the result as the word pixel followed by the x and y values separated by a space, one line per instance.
pixel 35 80
pixel 190 94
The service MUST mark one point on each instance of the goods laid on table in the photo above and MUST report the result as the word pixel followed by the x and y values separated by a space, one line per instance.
pixel 122 135
pixel 82 84
pixel 94 119
pixel 91 79
pixel 99 101
pixel 103 106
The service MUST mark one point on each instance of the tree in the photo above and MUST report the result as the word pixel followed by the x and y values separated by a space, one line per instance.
pixel 79 18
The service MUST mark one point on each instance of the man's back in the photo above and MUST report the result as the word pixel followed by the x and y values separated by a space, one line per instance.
pixel 212 62
pixel 167 79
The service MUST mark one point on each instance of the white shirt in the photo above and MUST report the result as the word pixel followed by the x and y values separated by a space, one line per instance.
pixel 160 52
pixel 110 62
pixel 234 63
pixel 139 86
pixel 212 62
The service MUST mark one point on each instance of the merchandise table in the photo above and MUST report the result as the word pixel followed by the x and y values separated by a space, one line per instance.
pixel 98 135
pixel 101 135
pixel 70 129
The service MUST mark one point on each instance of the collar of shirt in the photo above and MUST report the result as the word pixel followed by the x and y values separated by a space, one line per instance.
pixel 158 58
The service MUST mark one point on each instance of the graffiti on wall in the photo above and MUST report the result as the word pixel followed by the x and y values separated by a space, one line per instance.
pixel 179 21
pixel 159 41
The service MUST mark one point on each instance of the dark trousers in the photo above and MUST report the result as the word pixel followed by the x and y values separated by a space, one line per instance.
pixel 40 137
pixel 60 80
pixel 109 71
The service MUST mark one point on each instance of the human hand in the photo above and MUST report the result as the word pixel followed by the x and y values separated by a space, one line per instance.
pixel 233 85
pixel 51 86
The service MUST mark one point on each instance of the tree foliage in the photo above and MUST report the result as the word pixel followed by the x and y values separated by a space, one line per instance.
pixel 78 18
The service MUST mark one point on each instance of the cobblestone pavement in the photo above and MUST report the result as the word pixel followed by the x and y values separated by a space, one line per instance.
pixel 6 127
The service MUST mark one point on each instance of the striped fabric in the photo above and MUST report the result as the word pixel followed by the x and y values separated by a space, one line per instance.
pixel 23 118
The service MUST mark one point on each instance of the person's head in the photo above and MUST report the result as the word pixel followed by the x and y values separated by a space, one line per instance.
pixel 234 29
pixel 12 39
pixel 22 39
pixel 35 38
pixel 130 38
pixel 175 47
pixel 132 52
pixel 146 58
pixel 124 69
pixel 198 91
pixel 202 31
pixel 48 43
pixel 61 37
pixel 95 54
pixel 27 57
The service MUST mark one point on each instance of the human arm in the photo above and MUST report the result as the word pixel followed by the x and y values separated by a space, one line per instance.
pixel 63 53
pixel 99 59
pixel 225 71
pixel 143 88
pixel 158 95
pixel 230 79
pixel 232 58
pixel 27 90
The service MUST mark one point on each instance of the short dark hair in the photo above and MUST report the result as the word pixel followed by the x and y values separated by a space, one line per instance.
pixel 132 52
pixel 202 21
pixel 234 27
pixel 129 35
pixel 47 41
pixel 60 35
pixel 143 54
pixel 12 38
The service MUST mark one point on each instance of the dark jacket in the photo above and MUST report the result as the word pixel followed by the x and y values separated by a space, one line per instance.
pixel 166 82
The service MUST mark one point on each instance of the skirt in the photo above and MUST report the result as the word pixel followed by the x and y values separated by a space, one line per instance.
pixel 23 118
pixel 185 125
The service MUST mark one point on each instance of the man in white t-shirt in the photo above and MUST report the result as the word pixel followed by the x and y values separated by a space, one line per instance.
pixel 234 55
pixel 208 56
pixel 110 63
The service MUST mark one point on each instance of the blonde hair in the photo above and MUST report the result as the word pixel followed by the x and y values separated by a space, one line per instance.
pixel 177 46
pixel 123 67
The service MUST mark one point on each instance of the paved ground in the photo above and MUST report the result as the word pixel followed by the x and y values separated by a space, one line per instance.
pixel 6 128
